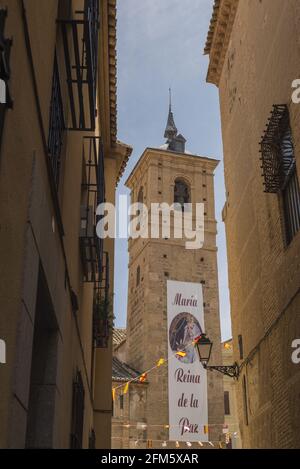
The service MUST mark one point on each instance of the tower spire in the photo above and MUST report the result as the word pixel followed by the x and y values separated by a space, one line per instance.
pixel 171 129
pixel 175 142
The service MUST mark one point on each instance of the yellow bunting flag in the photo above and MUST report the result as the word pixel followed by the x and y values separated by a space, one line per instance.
pixel 181 354
pixel 114 394
pixel 160 362
pixel 205 429
pixel 126 388
pixel 143 378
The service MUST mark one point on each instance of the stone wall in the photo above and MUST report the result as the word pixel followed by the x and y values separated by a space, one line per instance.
pixel 261 60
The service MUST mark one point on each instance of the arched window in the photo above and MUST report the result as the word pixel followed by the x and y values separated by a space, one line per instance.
pixel 181 193
pixel 141 196
pixel 138 276
pixel 140 200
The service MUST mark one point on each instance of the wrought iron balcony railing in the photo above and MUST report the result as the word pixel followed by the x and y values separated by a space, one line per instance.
pixel 56 125
pixel 279 167
pixel 80 40
pixel 93 193
pixel 277 149
pixel 102 308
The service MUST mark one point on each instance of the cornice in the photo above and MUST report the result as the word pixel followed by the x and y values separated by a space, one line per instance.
pixel 218 38
pixel 168 157
pixel 122 154
pixel 108 88
pixel 112 44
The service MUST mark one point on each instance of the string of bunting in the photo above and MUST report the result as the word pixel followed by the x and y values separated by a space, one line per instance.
pixel 161 362
pixel 167 426
pixel 145 425
pixel 164 444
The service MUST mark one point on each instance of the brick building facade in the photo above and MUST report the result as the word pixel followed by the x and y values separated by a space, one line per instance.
pixel 254 55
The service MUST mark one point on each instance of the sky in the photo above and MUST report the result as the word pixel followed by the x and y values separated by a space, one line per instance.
pixel 160 45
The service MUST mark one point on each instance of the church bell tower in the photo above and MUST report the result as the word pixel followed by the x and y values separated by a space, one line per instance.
pixel 171 174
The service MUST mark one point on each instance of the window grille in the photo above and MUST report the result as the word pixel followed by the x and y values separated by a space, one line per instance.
pixel 80 35
pixel 56 125
pixel 102 315
pixel 93 194
pixel 279 167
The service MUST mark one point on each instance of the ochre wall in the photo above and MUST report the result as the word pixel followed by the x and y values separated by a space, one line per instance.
pixel 260 64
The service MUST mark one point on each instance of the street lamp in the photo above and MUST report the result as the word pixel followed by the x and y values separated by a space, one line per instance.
pixel 204 347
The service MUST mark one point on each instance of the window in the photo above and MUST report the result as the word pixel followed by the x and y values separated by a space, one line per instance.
pixel 181 193
pixel 92 194
pixel 2 352
pixel 141 196
pixel 291 205
pixel 121 402
pixel 279 168
pixel 56 125
pixel 77 412
pixel 92 439
pixel 290 184
pixel 43 375
pixel 245 401
pixel 6 102
pixel 140 200
pixel 80 33
pixel 226 403
pixel 241 347
pixel 138 276
pixel 64 8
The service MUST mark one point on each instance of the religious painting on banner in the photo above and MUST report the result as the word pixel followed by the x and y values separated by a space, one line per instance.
pixel 188 409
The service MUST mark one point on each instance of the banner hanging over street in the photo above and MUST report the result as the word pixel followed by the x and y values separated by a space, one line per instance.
pixel 188 412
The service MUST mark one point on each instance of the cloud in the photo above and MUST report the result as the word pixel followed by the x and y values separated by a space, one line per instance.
pixel 167 30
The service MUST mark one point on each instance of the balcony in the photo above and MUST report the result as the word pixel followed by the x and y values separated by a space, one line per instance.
pixel 93 193
pixel 277 152
pixel 102 308
pixel 80 41
pixel 279 167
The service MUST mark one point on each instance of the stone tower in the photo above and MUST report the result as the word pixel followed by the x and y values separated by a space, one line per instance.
pixel 169 174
